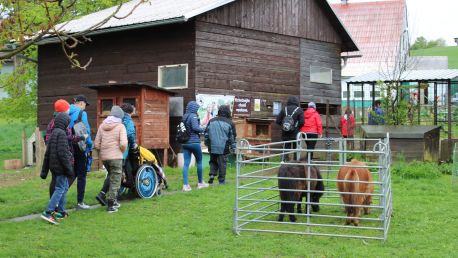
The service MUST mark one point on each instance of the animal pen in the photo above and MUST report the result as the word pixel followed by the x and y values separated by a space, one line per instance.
pixel 257 195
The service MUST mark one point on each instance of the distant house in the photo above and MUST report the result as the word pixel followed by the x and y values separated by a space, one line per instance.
pixel 208 50
pixel 380 30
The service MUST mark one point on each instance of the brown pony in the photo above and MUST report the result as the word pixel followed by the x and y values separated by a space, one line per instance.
pixel 298 171
pixel 351 173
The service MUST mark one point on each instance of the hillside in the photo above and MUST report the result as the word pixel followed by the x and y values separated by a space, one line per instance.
pixel 451 52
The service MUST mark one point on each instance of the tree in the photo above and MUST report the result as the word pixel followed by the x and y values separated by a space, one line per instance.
pixel 22 24
pixel 423 43
pixel 26 22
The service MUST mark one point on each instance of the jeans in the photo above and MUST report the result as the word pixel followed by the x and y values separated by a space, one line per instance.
pixel 114 168
pixel 59 197
pixel 218 162
pixel 195 149
pixel 80 173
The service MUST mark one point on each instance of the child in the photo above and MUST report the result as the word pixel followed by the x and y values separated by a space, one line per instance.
pixel 58 159
pixel 111 141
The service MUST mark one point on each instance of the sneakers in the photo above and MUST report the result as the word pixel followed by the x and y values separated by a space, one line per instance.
pixel 60 215
pixel 210 181
pixel 101 199
pixel 186 188
pixel 111 207
pixel 116 204
pixel 49 217
pixel 202 185
pixel 82 206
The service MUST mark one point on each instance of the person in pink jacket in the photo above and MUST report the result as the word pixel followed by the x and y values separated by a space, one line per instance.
pixel 111 141
pixel 312 126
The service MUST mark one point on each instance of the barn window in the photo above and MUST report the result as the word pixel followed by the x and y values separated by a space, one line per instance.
pixel 357 94
pixel 131 101
pixel 276 108
pixel 320 75
pixel 106 105
pixel 173 76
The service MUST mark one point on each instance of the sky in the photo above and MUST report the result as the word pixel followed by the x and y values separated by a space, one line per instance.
pixel 429 18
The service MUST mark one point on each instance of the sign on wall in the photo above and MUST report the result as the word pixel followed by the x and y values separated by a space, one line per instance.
pixel 209 105
pixel 242 106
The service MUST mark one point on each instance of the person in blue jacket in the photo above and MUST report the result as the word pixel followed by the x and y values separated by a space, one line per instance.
pixel 376 116
pixel 80 170
pixel 127 121
pixel 192 146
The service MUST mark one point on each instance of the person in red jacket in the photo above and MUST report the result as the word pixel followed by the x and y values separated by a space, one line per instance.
pixel 312 126
pixel 344 125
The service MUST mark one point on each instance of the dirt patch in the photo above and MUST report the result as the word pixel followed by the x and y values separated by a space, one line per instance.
pixel 13 178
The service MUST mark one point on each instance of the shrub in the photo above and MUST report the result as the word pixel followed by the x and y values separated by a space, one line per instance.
pixel 417 170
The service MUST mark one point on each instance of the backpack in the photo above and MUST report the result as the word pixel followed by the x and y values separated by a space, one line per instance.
pixel 288 124
pixel 79 128
pixel 182 132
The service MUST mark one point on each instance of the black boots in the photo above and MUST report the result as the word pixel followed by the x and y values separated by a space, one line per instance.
pixel 101 199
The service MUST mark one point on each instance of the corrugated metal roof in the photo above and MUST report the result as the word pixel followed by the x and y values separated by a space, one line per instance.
pixel 376 27
pixel 428 62
pixel 408 76
pixel 152 11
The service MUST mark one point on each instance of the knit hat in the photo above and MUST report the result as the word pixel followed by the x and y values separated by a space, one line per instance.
pixel 61 105
pixel 116 111
pixel 312 105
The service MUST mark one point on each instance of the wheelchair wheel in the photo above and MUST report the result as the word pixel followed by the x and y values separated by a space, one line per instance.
pixel 146 181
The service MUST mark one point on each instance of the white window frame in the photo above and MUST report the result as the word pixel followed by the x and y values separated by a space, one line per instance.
pixel 318 81
pixel 159 74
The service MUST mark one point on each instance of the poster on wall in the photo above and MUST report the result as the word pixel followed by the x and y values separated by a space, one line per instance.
pixel 209 105
pixel 242 106
pixel 257 105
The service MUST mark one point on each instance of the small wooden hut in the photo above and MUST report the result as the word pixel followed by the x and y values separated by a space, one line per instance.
pixel 152 110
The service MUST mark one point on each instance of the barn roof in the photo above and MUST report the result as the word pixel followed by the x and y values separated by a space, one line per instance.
pixel 127 84
pixel 376 27
pixel 408 76
pixel 159 12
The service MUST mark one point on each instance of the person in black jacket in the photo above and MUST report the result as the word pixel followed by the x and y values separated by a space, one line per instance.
pixel 58 159
pixel 220 136
pixel 297 114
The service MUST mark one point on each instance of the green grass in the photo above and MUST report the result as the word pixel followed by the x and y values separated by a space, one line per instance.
pixel 199 223
pixel 451 52
pixel 10 139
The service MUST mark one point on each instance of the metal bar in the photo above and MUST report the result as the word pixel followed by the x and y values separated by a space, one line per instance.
pixel 306 191
pixel 311 179
pixel 312 215
pixel 449 114
pixel 311 234
pixel 307 202
pixel 312 224
pixel 362 106
pixel 435 103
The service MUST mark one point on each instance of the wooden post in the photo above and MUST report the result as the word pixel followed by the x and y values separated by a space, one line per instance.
pixel 165 158
pixel 40 150
pixel 449 114
pixel 24 147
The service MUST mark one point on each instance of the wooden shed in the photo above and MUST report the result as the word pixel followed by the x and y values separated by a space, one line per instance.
pixel 251 50
pixel 152 110
pixel 412 142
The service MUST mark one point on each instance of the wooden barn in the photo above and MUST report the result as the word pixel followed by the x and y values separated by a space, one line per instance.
pixel 251 54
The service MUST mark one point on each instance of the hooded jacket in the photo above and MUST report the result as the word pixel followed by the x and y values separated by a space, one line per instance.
pixel 111 139
pixel 191 121
pixel 220 133
pixel 74 113
pixel 291 105
pixel 312 122
pixel 344 124
pixel 58 157
pixel 131 133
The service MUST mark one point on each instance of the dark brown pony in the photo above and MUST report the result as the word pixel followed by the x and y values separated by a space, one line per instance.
pixel 298 171
pixel 350 173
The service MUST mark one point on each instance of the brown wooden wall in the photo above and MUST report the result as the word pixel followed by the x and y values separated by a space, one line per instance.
pixel 320 54
pixel 245 62
pixel 156 119
pixel 122 56
pixel 299 18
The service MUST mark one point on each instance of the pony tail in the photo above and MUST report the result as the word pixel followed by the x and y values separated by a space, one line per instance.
pixel 352 187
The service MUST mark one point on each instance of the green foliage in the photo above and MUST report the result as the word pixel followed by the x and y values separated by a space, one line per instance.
pixel 423 43
pixel 397 109
pixel 417 170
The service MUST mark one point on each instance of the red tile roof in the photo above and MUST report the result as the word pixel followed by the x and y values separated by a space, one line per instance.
pixel 375 26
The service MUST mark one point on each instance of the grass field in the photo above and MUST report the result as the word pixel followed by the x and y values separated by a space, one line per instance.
pixel 451 52
pixel 199 223
pixel 10 139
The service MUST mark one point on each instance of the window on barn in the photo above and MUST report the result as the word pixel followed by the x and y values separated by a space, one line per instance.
pixel 344 94
pixel 173 76
pixel 320 75
pixel 276 108
pixel 377 94
pixel 106 105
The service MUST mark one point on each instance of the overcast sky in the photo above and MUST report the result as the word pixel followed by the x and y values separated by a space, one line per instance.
pixel 429 18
